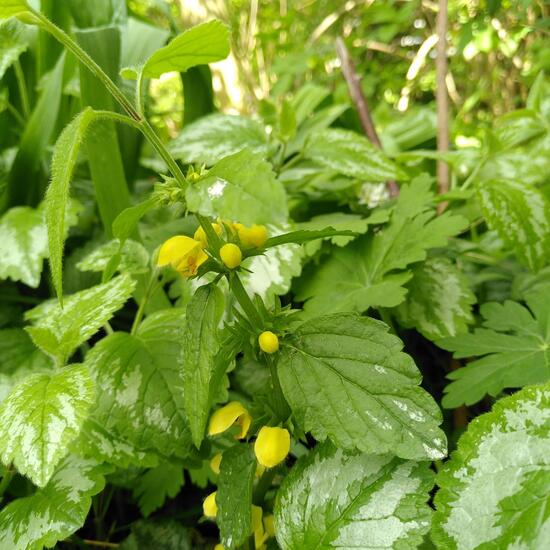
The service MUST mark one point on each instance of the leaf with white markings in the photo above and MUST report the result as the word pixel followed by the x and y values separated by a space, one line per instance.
pixel 40 417
pixel 14 40
pixel 134 258
pixel 338 499
pixel 346 378
pixel 494 492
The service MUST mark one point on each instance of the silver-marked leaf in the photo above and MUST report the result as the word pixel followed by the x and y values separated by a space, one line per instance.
pixel 494 492
pixel 55 512
pixel 10 8
pixel 60 330
pixel 213 137
pixel 346 378
pixel 338 499
pixel 40 417
pixel 520 214
pixel 134 257
pixel 14 40
pixel 439 300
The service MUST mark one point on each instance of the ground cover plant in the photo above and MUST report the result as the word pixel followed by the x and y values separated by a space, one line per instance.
pixel 291 327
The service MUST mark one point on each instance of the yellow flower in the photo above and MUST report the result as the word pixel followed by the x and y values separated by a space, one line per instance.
pixel 200 235
pixel 269 525
pixel 219 547
pixel 209 506
pixel 260 536
pixel 256 235
pixel 224 418
pixel 231 255
pixel 271 446
pixel 215 463
pixel 183 253
pixel 269 342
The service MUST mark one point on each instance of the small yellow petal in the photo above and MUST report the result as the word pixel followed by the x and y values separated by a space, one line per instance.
pixel 175 249
pixel 219 546
pixel 224 418
pixel 271 446
pixel 255 235
pixel 200 235
pixel 268 341
pixel 215 463
pixel 209 506
pixel 231 255
pixel 260 536
pixel 269 525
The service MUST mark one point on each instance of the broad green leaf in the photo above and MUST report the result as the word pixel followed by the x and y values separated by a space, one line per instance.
pixel 65 155
pixel 371 271
pixel 40 417
pixel 13 42
pixel 55 512
pixel 60 330
pixel 241 187
pixel 234 496
pixel 520 214
pixel 439 300
pixel 140 397
pixel 160 534
pixel 9 8
pixel 494 492
pixel 346 378
pixel 338 499
pixel 513 349
pixel 153 487
pixel 199 45
pixel 201 343
pixel 351 154
pixel 134 258
pixel 216 136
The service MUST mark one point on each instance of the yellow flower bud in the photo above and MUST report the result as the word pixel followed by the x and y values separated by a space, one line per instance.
pixel 269 342
pixel 219 547
pixel 183 253
pixel 224 418
pixel 200 235
pixel 255 235
pixel 209 506
pixel 215 463
pixel 269 525
pixel 271 446
pixel 231 255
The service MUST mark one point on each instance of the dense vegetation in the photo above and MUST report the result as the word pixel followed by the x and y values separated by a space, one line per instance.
pixel 265 321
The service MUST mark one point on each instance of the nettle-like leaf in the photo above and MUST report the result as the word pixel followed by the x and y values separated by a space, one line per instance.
pixel 134 257
pixel 213 137
pixel 234 496
pixel 520 214
pixel 513 346
pixel 494 492
pixel 40 417
pixel 351 154
pixel 346 378
pixel 58 331
pixel 10 8
pixel 160 534
pixel 14 40
pixel 140 389
pixel 439 300
pixel 240 187
pixel 371 271
pixel 55 512
pixel 338 499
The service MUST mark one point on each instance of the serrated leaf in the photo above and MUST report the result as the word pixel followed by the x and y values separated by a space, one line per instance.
pixel 234 496
pixel 338 499
pixel 240 187
pixel 134 258
pixel 213 137
pixel 439 300
pixel 199 45
pixel 59 331
pixel 347 379
pixel 13 42
pixel 55 512
pixel 351 154
pixel 40 417
pixel 10 8
pixel 160 534
pixel 200 346
pixel 513 346
pixel 140 386
pixel 494 490
pixel 520 214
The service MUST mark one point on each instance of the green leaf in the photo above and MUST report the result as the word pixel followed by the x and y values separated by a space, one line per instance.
pixel 55 512
pixel 140 386
pixel 240 187
pixel 40 417
pixel 520 214
pixel 347 379
pixel 216 136
pixel 65 155
pixel 494 492
pixel 200 346
pixel 439 300
pixel 234 496
pixel 60 330
pixel 305 235
pixel 153 487
pixel 513 346
pixel 338 499
pixel 160 534
pixel 287 122
pixel 351 154
pixel 14 40
pixel 199 45
pixel 134 258
pixel 9 8
pixel 126 222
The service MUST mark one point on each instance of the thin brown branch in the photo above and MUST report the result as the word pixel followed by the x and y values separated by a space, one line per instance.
pixel 101 543
pixel 360 102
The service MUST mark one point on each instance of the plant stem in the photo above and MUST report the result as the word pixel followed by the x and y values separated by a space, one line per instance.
pixel 16 114
pixel 244 300
pixel 263 486
pixel 283 410
pixel 22 85
pixel 143 303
